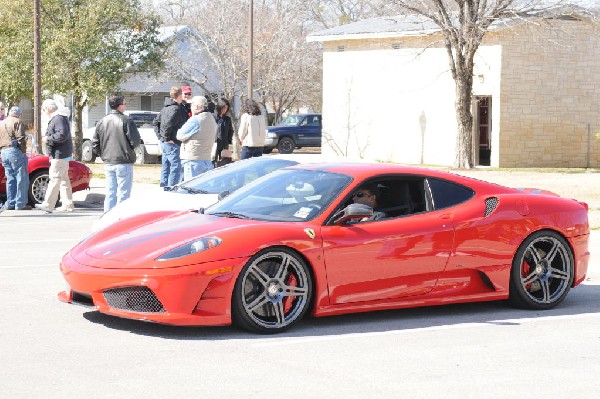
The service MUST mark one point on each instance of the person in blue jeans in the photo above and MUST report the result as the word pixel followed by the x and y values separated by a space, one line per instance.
pixel 171 118
pixel 114 140
pixel 13 145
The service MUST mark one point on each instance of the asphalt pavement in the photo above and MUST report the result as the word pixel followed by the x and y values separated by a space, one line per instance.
pixel 50 349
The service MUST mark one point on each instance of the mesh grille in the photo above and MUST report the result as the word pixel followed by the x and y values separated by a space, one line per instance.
pixel 490 205
pixel 133 299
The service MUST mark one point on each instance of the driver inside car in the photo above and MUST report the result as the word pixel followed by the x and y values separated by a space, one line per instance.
pixel 369 195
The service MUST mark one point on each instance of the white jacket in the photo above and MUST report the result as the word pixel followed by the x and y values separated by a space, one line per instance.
pixel 252 130
pixel 197 136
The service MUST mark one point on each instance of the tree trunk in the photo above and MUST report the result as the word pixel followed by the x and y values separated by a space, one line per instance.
pixel 78 122
pixel 464 119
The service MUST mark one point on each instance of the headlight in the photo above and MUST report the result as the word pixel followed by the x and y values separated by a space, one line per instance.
pixel 271 135
pixel 190 248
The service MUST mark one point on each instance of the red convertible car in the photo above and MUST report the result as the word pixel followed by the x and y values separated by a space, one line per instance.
pixel 297 242
pixel 79 174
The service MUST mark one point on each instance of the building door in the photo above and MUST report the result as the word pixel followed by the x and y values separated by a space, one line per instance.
pixel 483 126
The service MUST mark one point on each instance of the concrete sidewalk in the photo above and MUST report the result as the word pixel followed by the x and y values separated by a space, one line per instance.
pixel 94 196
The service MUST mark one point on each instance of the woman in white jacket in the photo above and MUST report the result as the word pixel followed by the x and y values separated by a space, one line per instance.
pixel 252 131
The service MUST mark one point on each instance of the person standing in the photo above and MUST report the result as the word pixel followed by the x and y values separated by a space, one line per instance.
pixel 197 136
pixel 114 141
pixel 13 147
pixel 224 135
pixel 187 100
pixel 59 145
pixel 1 111
pixel 167 123
pixel 252 131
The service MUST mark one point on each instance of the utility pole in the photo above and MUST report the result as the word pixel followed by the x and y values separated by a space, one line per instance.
pixel 250 47
pixel 37 77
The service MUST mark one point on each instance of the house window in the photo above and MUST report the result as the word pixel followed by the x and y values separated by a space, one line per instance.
pixel 146 103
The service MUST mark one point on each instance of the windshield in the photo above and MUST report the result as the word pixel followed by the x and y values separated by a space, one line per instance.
pixel 285 195
pixel 233 176
pixel 291 120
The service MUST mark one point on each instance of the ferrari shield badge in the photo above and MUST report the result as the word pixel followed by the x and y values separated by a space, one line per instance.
pixel 310 232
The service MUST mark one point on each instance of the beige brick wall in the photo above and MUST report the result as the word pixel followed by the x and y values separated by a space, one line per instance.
pixel 550 94
pixel 544 81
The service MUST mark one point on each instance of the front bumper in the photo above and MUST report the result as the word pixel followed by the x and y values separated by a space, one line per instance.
pixel 198 295
pixel 271 141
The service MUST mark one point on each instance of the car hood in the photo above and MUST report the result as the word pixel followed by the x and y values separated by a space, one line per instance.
pixel 137 242
pixel 152 201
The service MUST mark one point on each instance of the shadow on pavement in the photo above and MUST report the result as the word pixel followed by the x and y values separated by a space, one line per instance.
pixel 583 300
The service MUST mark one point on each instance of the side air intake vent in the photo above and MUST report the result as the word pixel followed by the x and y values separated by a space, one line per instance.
pixel 133 299
pixel 490 205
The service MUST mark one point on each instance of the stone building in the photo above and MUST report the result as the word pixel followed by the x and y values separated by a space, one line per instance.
pixel 388 93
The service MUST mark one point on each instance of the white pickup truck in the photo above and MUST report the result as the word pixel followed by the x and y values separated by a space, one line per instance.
pixel 149 149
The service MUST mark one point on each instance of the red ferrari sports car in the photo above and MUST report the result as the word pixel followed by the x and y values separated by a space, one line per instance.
pixel 299 241
pixel 79 174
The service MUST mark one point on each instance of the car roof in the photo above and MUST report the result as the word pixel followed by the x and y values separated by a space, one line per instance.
pixel 364 170
pixel 129 112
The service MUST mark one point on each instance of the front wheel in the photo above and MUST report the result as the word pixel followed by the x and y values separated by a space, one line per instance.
pixel 272 292
pixel 542 271
pixel 286 145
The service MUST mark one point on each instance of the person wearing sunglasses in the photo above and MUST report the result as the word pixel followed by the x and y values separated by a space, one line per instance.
pixel 369 195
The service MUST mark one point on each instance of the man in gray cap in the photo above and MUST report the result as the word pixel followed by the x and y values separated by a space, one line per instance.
pixel 13 145
pixel 60 149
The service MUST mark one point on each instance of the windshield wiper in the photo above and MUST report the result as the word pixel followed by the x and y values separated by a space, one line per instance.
pixel 193 190
pixel 231 215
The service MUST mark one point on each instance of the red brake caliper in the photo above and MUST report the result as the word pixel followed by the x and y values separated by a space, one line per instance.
pixel 288 301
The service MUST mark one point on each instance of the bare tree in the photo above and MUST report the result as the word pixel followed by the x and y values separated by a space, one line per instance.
pixel 463 25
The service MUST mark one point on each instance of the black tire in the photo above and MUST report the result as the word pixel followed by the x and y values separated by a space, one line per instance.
pixel 273 292
pixel 542 271
pixel 141 155
pixel 267 150
pixel 87 153
pixel 38 184
pixel 286 145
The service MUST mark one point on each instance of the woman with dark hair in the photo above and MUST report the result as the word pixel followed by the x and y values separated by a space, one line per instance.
pixel 224 130
pixel 252 131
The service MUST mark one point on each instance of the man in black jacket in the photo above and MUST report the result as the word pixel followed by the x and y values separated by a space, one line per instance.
pixel 59 145
pixel 166 125
pixel 114 140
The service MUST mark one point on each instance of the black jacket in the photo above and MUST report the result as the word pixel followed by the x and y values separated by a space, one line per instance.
pixel 59 142
pixel 169 121
pixel 224 129
pixel 115 138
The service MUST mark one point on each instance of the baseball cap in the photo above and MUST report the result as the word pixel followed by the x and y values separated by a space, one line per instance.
pixel 186 89
pixel 15 111
pixel 200 100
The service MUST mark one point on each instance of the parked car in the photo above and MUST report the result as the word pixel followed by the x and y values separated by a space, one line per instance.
pixel 200 191
pixel 79 174
pixel 295 243
pixel 149 149
pixel 295 131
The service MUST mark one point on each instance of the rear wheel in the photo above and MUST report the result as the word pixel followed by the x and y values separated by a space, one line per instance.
pixel 542 271
pixel 87 153
pixel 286 145
pixel 140 154
pixel 38 184
pixel 272 292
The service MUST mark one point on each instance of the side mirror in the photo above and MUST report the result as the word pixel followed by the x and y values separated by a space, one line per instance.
pixel 352 212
